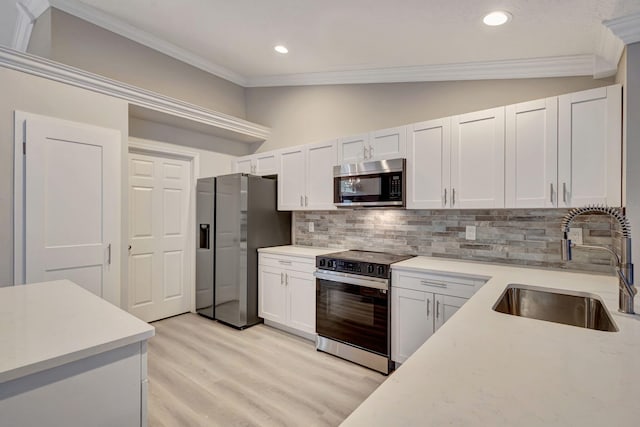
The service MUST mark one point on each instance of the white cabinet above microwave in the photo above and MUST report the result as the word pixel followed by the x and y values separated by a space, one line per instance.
pixel 377 145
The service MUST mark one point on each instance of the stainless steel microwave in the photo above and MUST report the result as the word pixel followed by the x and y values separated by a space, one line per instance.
pixel 370 184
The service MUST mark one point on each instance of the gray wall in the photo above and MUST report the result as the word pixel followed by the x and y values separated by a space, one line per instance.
pixel 40 96
pixel 8 16
pixel 300 115
pixel 632 132
pixel 83 45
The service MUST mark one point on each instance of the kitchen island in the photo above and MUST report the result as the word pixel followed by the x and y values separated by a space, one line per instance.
pixel 69 358
pixel 485 368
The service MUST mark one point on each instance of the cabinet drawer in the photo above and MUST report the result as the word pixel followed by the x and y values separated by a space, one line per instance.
pixel 307 265
pixel 440 284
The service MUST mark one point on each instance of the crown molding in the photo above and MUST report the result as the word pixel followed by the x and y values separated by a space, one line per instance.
pixel 579 65
pixel 626 28
pixel 28 12
pixel 234 128
pixel 108 22
pixel 609 50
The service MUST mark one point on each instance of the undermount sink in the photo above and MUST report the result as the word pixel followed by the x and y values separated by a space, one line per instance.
pixel 559 306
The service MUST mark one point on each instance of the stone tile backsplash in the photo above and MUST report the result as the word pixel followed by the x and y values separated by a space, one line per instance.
pixel 528 237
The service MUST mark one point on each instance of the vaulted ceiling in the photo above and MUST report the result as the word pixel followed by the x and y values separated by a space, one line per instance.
pixel 362 41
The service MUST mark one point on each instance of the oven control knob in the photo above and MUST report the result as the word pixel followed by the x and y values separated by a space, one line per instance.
pixel 323 262
pixel 331 263
pixel 370 268
pixel 381 270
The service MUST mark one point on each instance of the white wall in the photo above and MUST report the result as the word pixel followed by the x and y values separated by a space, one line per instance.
pixel 299 115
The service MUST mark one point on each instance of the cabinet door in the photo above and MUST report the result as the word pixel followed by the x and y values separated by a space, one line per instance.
pixel 266 163
pixel 477 159
pixel 531 154
pixel 353 149
pixel 428 165
pixel 291 179
pixel 301 293
pixel 446 306
pixel 272 294
pixel 590 147
pixel 411 321
pixel 243 165
pixel 387 143
pixel 321 158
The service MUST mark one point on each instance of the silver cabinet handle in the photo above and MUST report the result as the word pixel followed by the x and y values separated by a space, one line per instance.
pixel 453 197
pixel 281 261
pixel 364 149
pixel 428 305
pixel 301 201
pixel 564 192
pixel 281 278
pixel 109 254
pixel 370 152
pixel 437 309
pixel 551 192
pixel 286 280
pixel 427 283
pixel 445 198
pixel 306 201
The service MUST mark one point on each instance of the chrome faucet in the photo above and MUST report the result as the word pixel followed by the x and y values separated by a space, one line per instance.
pixel 624 266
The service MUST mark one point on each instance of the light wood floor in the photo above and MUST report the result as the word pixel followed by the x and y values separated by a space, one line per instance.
pixel 202 373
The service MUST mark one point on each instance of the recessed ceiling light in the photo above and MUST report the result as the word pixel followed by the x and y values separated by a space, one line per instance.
pixel 281 49
pixel 496 18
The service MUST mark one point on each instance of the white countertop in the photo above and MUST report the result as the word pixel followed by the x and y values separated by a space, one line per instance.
pixel 484 368
pixel 44 325
pixel 303 251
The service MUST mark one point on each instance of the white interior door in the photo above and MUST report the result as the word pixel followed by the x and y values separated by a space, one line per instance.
pixel 159 259
pixel 72 204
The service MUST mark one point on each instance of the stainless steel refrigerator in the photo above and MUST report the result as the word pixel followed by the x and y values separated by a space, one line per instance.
pixel 236 215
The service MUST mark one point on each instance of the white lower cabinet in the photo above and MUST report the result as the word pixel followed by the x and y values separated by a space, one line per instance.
pixel 287 292
pixel 420 304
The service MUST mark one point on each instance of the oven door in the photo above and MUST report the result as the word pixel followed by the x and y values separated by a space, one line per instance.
pixel 353 309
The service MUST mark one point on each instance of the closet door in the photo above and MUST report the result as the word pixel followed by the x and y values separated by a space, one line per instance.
pixel 72 204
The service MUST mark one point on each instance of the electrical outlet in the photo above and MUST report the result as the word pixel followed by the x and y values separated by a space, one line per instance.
pixel 311 227
pixel 575 235
pixel 470 232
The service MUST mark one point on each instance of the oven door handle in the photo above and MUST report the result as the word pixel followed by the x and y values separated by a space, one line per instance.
pixel 352 279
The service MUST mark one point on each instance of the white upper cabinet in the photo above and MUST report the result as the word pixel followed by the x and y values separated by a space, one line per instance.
pixel 291 180
pixel 305 181
pixel 429 164
pixel 243 165
pixel 353 149
pixel 321 158
pixel 388 143
pixel 590 147
pixel 258 164
pixel 477 159
pixel 378 145
pixel 532 154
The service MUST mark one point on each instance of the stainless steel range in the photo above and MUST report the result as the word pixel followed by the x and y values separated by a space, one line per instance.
pixel 353 306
